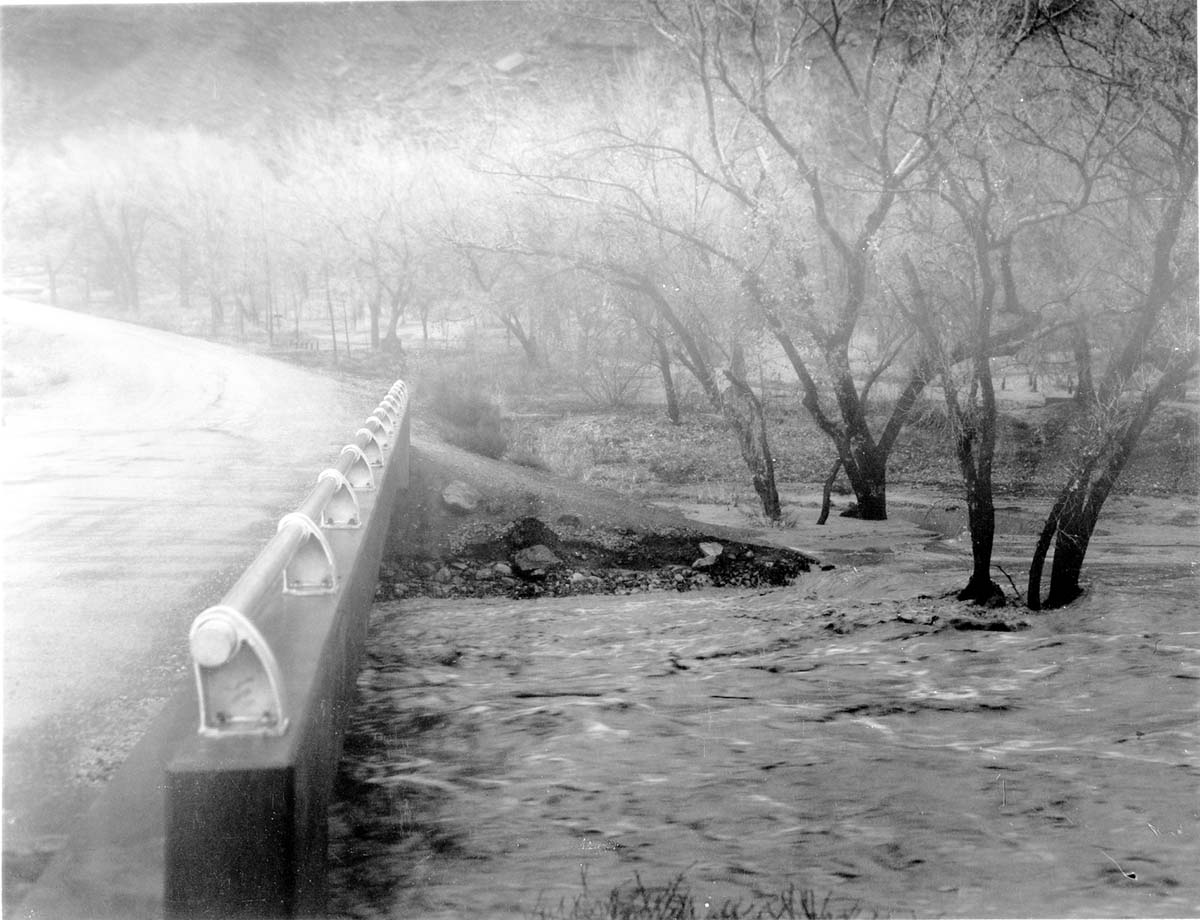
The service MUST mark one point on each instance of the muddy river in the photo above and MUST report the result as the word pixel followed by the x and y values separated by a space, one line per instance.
pixel 853 737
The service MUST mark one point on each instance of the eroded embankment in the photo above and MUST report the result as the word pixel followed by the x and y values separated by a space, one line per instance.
pixel 476 528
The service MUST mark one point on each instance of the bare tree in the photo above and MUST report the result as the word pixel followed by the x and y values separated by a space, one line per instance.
pixel 780 149
pixel 43 224
pixel 113 169
pixel 1142 58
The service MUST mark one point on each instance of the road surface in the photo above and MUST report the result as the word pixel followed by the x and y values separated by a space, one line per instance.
pixel 142 470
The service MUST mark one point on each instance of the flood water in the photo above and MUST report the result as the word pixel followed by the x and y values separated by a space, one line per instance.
pixel 851 735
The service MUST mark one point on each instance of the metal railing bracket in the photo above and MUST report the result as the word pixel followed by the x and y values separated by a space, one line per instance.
pixel 237 676
pixel 342 510
pixel 386 418
pixel 379 430
pixel 311 569
pixel 360 474
pixel 371 447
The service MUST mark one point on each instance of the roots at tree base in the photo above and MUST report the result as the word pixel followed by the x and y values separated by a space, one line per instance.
pixel 982 591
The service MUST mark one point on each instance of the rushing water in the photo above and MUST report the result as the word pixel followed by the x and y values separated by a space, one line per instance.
pixel 843 735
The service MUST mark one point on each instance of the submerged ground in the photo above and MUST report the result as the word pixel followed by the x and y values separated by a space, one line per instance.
pixel 854 736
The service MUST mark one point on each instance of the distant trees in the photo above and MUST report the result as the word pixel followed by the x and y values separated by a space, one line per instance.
pixel 775 145
pixel 193 219
pixel 42 218
pixel 881 198
pixel 211 213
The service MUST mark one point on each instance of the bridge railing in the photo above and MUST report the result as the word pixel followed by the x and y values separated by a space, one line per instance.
pixel 275 665
pixel 220 809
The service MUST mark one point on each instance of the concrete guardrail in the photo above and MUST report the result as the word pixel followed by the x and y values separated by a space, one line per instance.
pixel 221 809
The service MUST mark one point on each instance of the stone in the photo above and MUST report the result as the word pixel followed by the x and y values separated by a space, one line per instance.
pixel 460 497
pixel 503 569
pixel 569 520
pixel 706 563
pixel 529 531
pixel 711 549
pixel 443 575
pixel 535 560
pixel 510 63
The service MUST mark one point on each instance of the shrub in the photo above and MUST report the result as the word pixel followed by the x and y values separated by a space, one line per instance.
pixel 484 439
pixel 472 417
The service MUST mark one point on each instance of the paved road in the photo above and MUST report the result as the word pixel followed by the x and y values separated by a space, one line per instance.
pixel 142 470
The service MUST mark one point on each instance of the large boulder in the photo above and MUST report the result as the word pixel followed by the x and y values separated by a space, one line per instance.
pixel 712 552
pixel 529 531
pixel 460 497
pixel 535 561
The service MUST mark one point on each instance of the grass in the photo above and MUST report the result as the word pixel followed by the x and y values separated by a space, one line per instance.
pixel 637 447
pixel 675 901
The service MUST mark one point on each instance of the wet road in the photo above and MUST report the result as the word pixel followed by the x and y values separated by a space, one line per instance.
pixel 142 470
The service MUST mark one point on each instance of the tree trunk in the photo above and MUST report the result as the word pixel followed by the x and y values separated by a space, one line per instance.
pixel 864 460
pixel 1072 520
pixel 1033 597
pixel 216 312
pixel 528 343
pixel 127 285
pixel 395 314
pixel 269 295
pixel 981 518
pixel 52 280
pixel 297 303
pixel 239 306
pixel 376 310
pixel 332 317
pixel 1075 527
pixel 1085 392
pixel 135 291
pixel 866 469
pixel 744 412
pixel 663 360
pixel 184 278
pixel 826 497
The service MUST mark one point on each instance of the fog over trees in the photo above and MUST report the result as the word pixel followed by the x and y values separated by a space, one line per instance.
pixel 873 200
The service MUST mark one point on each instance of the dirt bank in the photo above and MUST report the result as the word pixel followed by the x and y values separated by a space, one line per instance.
pixel 477 528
